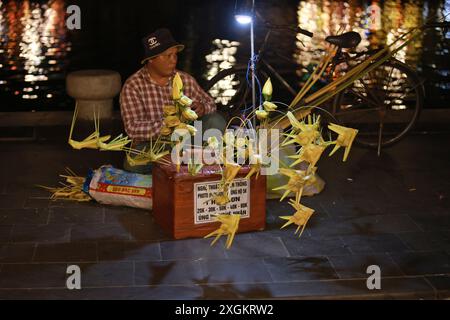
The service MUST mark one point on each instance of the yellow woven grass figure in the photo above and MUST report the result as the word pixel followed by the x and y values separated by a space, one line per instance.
pixel 296 183
pixel 140 160
pixel 300 218
pixel 71 190
pixel 222 198
pixel 309 132
pixel 189 114
pixel 256 164
pixel 194 168
pixel 230 172
pixel 177 89
pixel 169 110
pixel 117 144
pixel 90 142
pixel 310 153
pixel 229 227
pixel 345 138
pixel 171 121
pixel 156 153
pixel 311 178
pixel 228 175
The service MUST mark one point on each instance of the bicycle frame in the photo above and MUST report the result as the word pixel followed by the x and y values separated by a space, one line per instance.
pixel 338 58
pixel 371 61
pixel 269 67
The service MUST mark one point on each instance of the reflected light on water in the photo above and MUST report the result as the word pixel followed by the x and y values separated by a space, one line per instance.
pixel 2 22
pixel 33 38
pixel 30 45
pixel 222 57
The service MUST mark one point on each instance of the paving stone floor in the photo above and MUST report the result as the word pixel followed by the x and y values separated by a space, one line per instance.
pixel 392 211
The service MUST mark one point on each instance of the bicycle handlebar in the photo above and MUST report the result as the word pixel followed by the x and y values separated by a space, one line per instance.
pixel 445 24
pixel 305 32
pixel 291 28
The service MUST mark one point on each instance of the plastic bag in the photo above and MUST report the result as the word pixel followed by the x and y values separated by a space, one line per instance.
pixel 112 186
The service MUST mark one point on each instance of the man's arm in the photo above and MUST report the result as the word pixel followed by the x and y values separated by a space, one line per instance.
pixel 139 124
pixel 198 95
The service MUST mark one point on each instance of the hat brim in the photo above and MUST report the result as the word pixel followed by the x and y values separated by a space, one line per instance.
pixel 180 48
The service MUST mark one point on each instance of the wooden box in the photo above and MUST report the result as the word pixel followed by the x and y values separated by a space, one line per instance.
pixel 182 203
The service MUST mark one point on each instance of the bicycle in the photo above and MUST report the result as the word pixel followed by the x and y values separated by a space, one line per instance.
pixel 383 105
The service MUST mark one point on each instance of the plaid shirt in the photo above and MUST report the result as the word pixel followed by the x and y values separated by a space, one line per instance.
pixel 142 101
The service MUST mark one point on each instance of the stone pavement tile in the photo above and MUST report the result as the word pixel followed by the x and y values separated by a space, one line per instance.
pixel 41 233
pixel 191 249
pixel 275 208
pixel 66 252
pixel 377 243
pixel 427 184
pixel 234 291
pixel 252 270
pixel 391 288
pixel 38 202
pixel 315 246
pixel 3 186
pixel 99 232
pixel 26 190
pixel 106 274
pixel 322 226
pixel 75 215
pixel 122 215
pixel 16 253
pixel 410 208
pixel 355 266
pixel 315 202
pixel 362 225
pixel 5 233
pixel 423 263
pixel 365 195
pixel 345 209
pixel 129 251
pixel 182 272
pixel 238 237
pixel 120 293
pixel 287 233
pixel 274 230
pixel 23 216
pixel 385 224
pixel 441 284
pixel 12 201
pixel 427 241
pixel 33 276
pixel 300 268
pixel 83 206
pixel 359 190
pixel 419 202
pixel 257 247
pixel 432 222
pixel 148 231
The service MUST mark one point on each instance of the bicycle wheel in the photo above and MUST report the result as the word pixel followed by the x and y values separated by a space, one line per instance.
pixel 231 92
pixel 384 105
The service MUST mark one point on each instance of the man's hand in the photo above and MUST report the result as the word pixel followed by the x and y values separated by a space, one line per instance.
pixel 199 109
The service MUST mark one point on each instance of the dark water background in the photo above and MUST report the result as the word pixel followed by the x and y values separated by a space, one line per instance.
pixel 37 51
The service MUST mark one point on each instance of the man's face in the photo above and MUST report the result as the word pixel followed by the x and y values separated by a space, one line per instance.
pixel 165 64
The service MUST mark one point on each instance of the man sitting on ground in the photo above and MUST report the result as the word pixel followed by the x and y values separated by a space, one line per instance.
pixel 147 91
